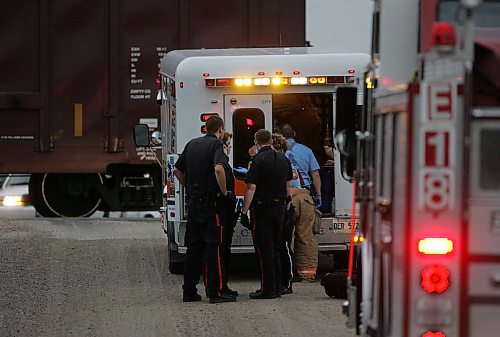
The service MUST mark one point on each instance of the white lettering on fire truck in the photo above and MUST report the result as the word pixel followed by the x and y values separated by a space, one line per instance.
pixel 436 150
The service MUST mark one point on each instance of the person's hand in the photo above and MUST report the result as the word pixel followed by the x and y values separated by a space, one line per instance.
pixel 245 221
pixel 317 201
pixel 240 173
pixel 329 151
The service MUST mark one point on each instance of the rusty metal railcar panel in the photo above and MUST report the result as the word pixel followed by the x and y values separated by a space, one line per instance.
pixel 76 75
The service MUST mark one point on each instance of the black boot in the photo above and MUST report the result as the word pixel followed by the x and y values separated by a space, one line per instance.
pixel 222 299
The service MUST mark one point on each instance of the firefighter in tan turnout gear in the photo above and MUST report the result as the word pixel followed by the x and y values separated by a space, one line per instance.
pixel 305 242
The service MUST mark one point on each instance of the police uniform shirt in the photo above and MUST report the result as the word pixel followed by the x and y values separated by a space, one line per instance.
pixel 270 172
pixel 230 184
pixel 198 161
pixel 303 158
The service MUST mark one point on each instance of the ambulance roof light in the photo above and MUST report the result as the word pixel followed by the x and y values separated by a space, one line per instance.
pixel 298 80
pixel 262 81
pixel 435 246
pixel 443 34
pixel 276 80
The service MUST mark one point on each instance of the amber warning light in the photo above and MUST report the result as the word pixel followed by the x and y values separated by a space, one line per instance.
pixel 435 246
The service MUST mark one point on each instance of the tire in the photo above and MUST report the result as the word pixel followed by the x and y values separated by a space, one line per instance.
pixel 35 192
pixel 175 262
pixel 335 284
pixel 65 195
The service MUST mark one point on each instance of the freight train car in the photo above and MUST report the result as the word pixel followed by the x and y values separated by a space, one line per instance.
pixel 76 76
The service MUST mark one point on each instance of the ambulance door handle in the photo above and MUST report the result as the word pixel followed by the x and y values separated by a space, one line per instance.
pixel 495 280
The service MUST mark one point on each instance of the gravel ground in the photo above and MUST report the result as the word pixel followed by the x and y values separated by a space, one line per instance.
pixel 62 277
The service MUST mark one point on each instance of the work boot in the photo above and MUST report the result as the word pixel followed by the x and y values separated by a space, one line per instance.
pixel 258 295
pixel 286 291
pixel 229 291
pixel 222 299
pixel 191 298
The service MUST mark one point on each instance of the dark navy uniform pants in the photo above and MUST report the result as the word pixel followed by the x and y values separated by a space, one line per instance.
pixel 226 212
pixel 204 232
pixel 267 221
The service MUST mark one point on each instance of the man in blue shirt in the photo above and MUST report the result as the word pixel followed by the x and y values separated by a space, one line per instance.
pixel 303 157
pixel 305 243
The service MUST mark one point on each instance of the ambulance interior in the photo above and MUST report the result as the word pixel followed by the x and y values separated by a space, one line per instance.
pixel 312 117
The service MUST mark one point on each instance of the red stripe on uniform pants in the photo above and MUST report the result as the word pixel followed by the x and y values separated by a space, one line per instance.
pixel 205 276
pixel 218 253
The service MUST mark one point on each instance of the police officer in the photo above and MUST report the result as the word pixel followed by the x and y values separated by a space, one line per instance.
pixel 200 168
pixel 268 181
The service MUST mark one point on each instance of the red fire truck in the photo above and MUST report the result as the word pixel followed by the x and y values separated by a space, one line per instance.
pixel 428 173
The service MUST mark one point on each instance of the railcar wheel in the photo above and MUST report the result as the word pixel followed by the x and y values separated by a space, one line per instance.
pixel 36 198
pixel 69 194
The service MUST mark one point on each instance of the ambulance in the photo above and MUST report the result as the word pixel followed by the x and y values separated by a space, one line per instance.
pixel 314 90
pixel 428 173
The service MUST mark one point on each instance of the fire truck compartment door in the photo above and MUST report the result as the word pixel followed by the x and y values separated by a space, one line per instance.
pixel 243 116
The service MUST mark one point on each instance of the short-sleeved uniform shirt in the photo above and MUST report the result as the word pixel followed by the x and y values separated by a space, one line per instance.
pixel 303 158
pixel 198 161
pixel 270 172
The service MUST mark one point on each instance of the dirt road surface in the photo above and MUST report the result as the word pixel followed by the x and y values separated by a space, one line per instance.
pixel 87 277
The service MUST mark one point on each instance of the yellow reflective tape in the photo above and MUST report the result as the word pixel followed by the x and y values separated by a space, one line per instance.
pixel 78 119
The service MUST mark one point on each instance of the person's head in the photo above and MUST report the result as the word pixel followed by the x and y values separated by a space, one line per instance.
pixel 226 139
pixel 262 138
pixel 279 143
pixel 215 125
pixel 287 131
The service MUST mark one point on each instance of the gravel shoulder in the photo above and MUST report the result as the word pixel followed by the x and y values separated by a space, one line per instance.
pixel 61 277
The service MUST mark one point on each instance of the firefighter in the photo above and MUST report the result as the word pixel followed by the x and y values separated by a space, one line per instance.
pixel 268 181
pixel 305 242
pixel 200 168
pixel 226 209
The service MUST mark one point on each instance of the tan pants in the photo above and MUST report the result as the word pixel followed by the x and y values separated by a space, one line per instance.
pixel 305 242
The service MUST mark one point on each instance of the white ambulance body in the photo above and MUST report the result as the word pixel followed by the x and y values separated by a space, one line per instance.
pixel 253 89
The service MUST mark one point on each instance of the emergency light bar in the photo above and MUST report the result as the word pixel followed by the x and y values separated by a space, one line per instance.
pixel 277 81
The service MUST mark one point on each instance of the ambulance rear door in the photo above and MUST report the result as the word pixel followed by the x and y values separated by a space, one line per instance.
pixel 243 116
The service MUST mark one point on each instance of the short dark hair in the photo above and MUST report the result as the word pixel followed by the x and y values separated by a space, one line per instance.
pixel 214 123
pixel 287 131
pixel 263 137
